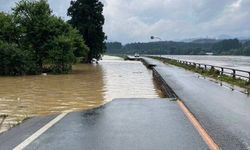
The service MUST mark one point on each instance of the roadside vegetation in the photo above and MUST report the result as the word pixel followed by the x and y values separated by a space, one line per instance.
pixel 212 73
pixel 34 41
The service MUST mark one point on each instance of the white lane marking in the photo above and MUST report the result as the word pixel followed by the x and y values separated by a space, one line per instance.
pixel 39 132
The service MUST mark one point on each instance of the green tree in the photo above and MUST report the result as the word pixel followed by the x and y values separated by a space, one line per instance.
pixel 41 33
pixel 60 28
pixel 13 61
pixel 8 31
pixel 66 45
pixel 224 46
pixel 61 56
pixel 87 17
pixel 32 40
pixel 32 18
pixel 80 49
pixel 114 47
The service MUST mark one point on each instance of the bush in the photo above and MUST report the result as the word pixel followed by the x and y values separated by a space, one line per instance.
pixel 33 41
pixel 13 61
pixel 61 56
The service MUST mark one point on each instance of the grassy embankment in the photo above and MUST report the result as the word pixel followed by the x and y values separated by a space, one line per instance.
pixel 212 73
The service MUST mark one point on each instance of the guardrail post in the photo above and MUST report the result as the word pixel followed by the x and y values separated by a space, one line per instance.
pixel 205 67
pixel 234 73
pixel 222 71
pixel 199 66
pixel 248 77
pixel 212 68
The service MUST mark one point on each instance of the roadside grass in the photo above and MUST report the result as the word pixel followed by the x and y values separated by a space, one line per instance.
pixel 212 73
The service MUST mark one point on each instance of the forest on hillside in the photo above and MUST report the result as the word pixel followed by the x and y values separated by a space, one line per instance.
pixel 221 47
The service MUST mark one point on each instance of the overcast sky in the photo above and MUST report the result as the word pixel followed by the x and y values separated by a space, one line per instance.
pixel 136 20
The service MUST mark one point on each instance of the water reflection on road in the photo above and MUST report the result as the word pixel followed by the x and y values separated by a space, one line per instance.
pixel 88 86
pixel 128 79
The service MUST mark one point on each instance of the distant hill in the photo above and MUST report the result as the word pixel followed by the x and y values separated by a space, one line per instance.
pixel 224 37
pixel 195 47
pixel 215 39
pixel 201 41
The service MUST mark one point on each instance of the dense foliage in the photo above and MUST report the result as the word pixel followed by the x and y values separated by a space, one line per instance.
pixel 13 61
pixel 32 41
pixel 168 47
pixel 87 17
pixel 222 47
pixel 226 45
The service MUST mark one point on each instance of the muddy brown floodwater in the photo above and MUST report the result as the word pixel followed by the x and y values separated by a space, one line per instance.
pixel 86 87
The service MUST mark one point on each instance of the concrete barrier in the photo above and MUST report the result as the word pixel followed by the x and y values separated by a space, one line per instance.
pixel 167 91
pixel 147 63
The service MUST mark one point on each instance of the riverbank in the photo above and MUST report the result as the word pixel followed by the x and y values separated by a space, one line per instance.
pixel 211 73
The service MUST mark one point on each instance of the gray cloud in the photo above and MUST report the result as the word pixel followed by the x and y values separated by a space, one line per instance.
pixel 59 7
pixel 136 20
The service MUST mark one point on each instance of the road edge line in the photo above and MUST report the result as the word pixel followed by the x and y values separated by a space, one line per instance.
pixel 203 133
pixel 39 132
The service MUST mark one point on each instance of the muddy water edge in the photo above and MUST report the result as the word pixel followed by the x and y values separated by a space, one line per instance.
pixel 88 86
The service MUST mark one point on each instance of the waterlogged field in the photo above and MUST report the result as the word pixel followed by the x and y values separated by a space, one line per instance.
pixel 236 62
pixel 88 86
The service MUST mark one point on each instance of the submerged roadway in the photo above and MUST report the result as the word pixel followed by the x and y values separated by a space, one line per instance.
pixel 146 124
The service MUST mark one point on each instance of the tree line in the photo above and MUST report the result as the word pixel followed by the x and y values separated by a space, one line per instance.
pixel 220 47
pixel 33 40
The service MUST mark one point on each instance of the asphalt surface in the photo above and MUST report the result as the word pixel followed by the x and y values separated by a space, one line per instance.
pixel 13 137
pixel 124 124
pixel 224 113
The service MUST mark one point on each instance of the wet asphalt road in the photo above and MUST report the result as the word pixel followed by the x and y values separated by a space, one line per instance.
pixel 224 113
pixel 13 137
pixel 124 124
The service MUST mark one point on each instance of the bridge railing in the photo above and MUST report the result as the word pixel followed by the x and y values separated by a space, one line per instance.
pixel 243 74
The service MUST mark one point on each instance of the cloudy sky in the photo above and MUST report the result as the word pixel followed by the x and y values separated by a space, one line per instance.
pixel 136 20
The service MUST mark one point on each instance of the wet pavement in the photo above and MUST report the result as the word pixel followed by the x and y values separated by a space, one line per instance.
pixel 222 112
pixel 146 124
pixel 123 124
pixel 13 137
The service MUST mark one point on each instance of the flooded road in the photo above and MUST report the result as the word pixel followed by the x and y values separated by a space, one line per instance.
pixel 88 86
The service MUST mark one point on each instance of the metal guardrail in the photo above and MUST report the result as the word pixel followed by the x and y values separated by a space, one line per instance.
pixel 223 70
